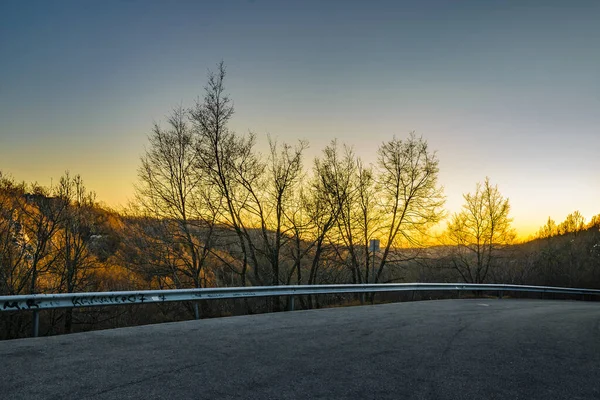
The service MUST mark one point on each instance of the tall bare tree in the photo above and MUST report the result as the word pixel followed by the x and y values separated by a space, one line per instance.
pixel 480 231
pixel 174 190
pixel 335 196
pixel 74 238
pixel 411 198
pixel 229 164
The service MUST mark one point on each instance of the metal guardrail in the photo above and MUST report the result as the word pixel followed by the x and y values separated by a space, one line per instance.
pixel 37 302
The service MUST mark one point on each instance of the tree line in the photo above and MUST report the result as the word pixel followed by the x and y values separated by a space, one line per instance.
pixel 269 220
pixel 210 210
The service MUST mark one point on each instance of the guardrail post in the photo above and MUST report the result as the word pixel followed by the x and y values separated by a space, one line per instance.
pixel 196 311
pixel 500 294
pixel 35 325
pixel 291 307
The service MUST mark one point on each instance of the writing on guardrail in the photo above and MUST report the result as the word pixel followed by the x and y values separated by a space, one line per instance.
pixel 29 304
pixel 116 299
pixel 80 301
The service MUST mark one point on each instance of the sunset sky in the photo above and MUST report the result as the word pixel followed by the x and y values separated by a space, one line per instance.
pixel 505 89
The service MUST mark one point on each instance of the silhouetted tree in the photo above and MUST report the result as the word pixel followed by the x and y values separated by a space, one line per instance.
pixel 229 164
pixel 480 231
pixel 283 173
pixel 75 261
pixel 336 189
pixel 174 190
pixel 411 198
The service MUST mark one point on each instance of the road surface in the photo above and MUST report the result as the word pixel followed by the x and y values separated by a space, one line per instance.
pixel 449 349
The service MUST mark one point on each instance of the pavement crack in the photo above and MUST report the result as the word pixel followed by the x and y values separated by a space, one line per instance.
pixel 456 334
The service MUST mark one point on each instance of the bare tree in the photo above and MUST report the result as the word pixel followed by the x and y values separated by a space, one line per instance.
pixel 14 254
pixel 479 232
pixel 75 263
pixel 335 199
pixel 173 189
pixel 229 164
pixel 368 221
pixel 573 223
pixel 14 251
pixel 549 230
pixel 30 217
pixel 411 199
pixel 43 213
pixel 315 221
pixel 283 174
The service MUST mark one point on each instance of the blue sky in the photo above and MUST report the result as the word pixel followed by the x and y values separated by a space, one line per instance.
pixel 505 89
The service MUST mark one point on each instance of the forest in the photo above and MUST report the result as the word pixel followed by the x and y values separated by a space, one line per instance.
pixel 211 211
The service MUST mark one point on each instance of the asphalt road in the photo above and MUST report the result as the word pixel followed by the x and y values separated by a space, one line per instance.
pixel 452 349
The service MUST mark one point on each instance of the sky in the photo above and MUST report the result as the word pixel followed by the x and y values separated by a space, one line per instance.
pixel 504 89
